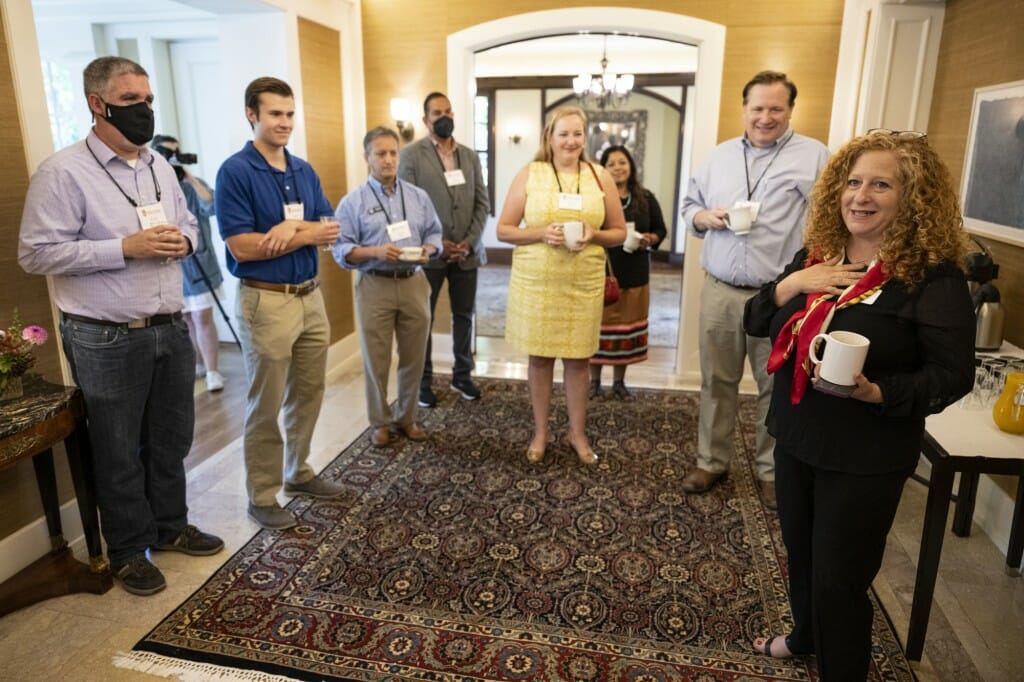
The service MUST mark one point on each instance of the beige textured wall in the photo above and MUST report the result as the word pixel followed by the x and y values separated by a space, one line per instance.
pixel 320 52
pixel 404 47
pixel 981 46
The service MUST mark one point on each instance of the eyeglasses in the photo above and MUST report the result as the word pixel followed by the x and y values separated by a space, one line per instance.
pixel 899 134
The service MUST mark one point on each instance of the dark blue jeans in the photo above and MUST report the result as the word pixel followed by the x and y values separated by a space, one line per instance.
pixel 462 297
pixel 137 385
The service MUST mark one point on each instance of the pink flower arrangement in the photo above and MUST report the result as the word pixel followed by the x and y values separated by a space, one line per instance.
pixel 16 343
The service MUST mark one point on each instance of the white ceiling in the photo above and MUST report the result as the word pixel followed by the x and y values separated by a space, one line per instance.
pixel 108 11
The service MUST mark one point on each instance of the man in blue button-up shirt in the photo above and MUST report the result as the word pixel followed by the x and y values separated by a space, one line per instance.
pixel 774 168
pixel 389 229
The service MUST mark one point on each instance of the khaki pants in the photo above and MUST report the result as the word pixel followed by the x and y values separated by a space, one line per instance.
pixel 284 341
pixel 390 309
pixel 724 347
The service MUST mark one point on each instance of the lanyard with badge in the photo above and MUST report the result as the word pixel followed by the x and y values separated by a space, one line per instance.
pixel 396 231
pixel 756 205
pixel 453 178
pixel 293 210
pixel 150 215
pixel 570 202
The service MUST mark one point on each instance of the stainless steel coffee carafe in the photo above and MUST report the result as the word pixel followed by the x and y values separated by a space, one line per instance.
pixel 988 333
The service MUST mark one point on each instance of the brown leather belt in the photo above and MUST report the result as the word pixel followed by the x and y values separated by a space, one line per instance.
pixel 297 289
pixel 140 323
pixel 391 274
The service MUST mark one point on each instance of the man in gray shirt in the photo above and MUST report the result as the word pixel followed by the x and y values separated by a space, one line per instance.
pixel 774 169
pixel 451 175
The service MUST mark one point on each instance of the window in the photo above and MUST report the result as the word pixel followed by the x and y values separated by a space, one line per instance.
pixel 61 102
pixel 482 142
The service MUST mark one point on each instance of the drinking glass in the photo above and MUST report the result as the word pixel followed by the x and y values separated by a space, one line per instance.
pixel 326 219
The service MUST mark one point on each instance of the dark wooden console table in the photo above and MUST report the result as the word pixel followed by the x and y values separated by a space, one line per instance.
pixel 29 427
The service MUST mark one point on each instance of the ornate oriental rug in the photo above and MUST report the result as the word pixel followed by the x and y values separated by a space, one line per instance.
pixel 455 559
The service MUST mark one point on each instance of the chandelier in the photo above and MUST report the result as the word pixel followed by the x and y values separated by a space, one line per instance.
pixel 606 89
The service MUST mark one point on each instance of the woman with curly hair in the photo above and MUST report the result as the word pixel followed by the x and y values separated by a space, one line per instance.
pixel 882 257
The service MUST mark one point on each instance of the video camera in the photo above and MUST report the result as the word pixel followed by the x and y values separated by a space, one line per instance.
pixel 183 158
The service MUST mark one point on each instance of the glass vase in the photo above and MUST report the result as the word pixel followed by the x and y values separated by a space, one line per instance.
pixel 1008 411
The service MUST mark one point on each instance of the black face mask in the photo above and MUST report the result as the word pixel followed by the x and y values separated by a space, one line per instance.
pixel 134 121
pixel 444 127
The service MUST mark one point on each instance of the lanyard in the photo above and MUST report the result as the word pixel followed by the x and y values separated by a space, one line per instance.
pixel 455 153
pixel 279 181
pixel 401 195
pixel 156 185
pixel 558 180
pixel 746 169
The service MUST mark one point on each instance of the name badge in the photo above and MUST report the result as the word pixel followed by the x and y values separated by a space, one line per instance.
pixel 294 211
pixel 151 215
pixel 399 231
pixel 572 202
pixel 454 177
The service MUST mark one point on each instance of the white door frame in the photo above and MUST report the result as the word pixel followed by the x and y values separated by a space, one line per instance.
pixel 708 37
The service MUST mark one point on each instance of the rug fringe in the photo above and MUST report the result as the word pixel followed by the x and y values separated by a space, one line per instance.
pixel 189 671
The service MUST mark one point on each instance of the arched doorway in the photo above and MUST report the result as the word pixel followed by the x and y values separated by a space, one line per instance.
pixel 710 41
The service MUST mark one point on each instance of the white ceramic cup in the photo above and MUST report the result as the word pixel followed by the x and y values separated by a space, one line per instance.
pixel 572 232
pixel 633 238
pixel 411 253
pixel 740 219
pixel 843 358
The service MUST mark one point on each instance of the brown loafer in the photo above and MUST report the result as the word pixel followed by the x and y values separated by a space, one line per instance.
pixel 700 481
pixel 413 432
pixel 381 437
pixel 767 489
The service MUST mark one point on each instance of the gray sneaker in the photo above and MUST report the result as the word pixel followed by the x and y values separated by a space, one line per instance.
pixel 272 517
pixel 314 487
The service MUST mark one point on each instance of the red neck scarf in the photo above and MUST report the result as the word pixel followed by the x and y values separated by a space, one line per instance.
pixel 814 319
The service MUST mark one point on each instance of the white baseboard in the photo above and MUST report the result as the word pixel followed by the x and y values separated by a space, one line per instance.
pixel 32 542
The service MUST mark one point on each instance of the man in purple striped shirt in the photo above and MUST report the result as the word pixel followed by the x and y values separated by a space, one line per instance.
pixel 105 218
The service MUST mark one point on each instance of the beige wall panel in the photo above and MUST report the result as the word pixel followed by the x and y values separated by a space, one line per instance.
pixel 19 497
pixel 981 46
pixel 404 45
pixel 807 54
pixel 320 52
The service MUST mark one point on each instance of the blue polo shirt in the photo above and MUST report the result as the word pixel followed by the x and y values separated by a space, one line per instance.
pixel 250 198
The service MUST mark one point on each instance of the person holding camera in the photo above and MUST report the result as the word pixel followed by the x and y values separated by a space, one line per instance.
pixel 201 275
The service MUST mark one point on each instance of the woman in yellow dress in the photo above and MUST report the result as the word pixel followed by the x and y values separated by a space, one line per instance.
pixel 556 293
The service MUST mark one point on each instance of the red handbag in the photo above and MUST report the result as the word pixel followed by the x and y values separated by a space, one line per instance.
pixel 611 285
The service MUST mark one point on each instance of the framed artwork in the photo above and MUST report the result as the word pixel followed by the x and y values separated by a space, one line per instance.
pixel 626 128
pixel 992 188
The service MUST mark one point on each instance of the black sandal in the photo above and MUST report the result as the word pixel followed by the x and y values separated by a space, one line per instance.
pixel 766 648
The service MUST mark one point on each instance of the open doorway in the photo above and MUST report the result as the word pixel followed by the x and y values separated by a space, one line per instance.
pixel 518 84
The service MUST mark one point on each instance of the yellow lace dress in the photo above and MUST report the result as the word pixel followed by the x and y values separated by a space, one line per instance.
pixel 555 297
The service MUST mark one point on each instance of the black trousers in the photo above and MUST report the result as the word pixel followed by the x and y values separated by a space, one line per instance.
pixel 462 298
pixel 834 527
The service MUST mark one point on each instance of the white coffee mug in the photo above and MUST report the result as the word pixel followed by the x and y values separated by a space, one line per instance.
pixel 633 238
pixel 740 219
pixel 843 358
pixel 572 232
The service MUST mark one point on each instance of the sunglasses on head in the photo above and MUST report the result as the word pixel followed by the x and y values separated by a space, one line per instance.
pixel 899 134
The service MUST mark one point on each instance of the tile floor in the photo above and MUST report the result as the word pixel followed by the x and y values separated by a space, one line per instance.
pixel 976 630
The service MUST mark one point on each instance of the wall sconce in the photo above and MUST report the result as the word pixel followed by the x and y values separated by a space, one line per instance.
pixel 401 113
pixel 515 132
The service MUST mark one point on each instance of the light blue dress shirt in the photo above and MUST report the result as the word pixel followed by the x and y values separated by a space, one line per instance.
pixel 781 177
pixel 75 218
pixel 364 215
